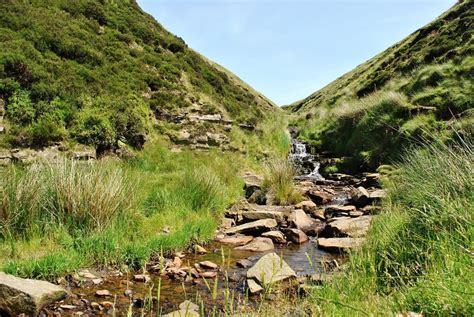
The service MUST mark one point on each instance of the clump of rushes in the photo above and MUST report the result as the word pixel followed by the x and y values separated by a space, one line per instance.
pixel 279 179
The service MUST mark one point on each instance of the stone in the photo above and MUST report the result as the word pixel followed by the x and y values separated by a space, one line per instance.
pixel 255 227
pixel 26 296
pixel 371 210
pixel 319 214
pixel 361 197
pixel 409 314
pixel 86 274
pixel 244 263
pixel 145 278
pixel 67 307
pixel 182 137
pixel 258 245
pixel 270 269
pixel 296 236
pixel 85 154
pixel 254 287
pixel 253 215
pixel 339 244
pixel 347 227
pixel 189 306
pixel 307 206
pixel 107 304
pixel 199 250
pixel 96 281
pixel 300 220
pixel 208 274
pixel 103 293
pixel 276 236
pixel 236 240
pixel 2 129
pixel 356 213
pixel 319 197
pixel 252 183
pixel 377 194
pixel 227 223
pixel 216 139
pixel 316 230
pixel 182 313
pixel 208 265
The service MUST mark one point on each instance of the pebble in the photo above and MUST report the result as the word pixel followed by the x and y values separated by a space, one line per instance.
pixel 103 293
pixel 141 278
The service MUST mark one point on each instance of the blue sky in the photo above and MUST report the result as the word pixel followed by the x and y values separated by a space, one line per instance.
pixel 287 49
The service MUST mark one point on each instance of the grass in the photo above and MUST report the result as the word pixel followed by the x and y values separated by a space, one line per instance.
pixel 418 255
pixel 279 180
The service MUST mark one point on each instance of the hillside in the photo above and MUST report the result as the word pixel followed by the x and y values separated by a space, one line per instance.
pixel 419 86
pixel 105 73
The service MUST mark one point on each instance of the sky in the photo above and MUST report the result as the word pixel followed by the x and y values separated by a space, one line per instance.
pixel 288 49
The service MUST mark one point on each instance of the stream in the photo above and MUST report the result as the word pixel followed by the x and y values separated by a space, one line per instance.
pixel 123 292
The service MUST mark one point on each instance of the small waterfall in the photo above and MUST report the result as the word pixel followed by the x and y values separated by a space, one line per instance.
pixel 305 163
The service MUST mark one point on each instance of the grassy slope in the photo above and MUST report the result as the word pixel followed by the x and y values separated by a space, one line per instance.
pixel 96 72
pixel 402 95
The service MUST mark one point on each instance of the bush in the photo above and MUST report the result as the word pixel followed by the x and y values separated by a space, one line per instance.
pixel 279 179
pixel 46 129
pixel 93 127
pixel 20 108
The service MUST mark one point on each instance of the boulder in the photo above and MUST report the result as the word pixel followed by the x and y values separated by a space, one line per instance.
pixel 338 210
pixel 347 227
pixel 320 197
pixel 296 236
pixel 244 263
pixel 236 240
pixel 259 244
pixel 316 230
pixel 253 183
pixel 307 206
pixel 26 296
pixel 252 215
pixel 255 227
pixel 270 269
pixel 339 244
pixel 361 197
pixel 216 139
pixel 300 220
pixel 182 313
pixel 254 287
pixel 183 137
pixel 276 236
pixel 189 306
pixel 208 265
pixel 377 194
pixel 227 223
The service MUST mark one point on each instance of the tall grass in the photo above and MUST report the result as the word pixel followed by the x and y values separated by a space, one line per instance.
pixel 418 256
pixel 279 180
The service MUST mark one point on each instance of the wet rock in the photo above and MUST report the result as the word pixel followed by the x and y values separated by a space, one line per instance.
pixel 347 227
pixel 182 313
pixel 296 236
pixel 255 227
pixel 276 236
pixel 244 263
pixel 208 265
pixel 316 229
pixel 333 210
pixel 253 183
pixel 254 287
pixel 361 197
pixel 144 278
pixel 236 240
pixel 319 214
pixel 300 220
pixel 208 274
pixel 258 245
pixel 188 306
pixel 320 197
pixel 103 293
pixel 26 296
pixel 307 206
pixel 339 244
pixel 270 269
pixel 199 250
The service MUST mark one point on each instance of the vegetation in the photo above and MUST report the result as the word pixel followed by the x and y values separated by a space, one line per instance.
pixel 279 180
pixel 404 95
pixel 96 72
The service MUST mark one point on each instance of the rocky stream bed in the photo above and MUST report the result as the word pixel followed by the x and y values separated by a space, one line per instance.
pixel 258 245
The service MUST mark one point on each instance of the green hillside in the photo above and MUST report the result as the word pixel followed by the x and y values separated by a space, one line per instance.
pixel 419 86
pixel 103 72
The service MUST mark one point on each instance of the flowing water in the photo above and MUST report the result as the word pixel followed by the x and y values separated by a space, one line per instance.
pixel 306 164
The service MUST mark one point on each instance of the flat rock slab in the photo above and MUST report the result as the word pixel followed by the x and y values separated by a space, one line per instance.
pixel 270 269
pixel 258 245
pixel 252 215
pixel 339 244
pixel 347 227
pixel 300 220
pixel 296 236
pixel 26 296
pixel 236 240
pixel 182 313
pixel 276 236
pixel 254 227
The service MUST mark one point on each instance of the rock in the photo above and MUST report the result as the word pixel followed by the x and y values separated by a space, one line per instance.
pixel 320 197
pixel 255 227
pixel 337 209
pixel 208 274
pixel 339 244
pixel 182 313
pixel 107 304
pixel 216 139
pixel 377 194
pixel 199 250
pixel 315 231
pixel 307 206
pixel 319 214
pixel 145 278
pixel 270 269
pixel 26 296
pixel 2 129
pixel 103 293
pixel 409 314
pixel 356 213
pixel 244 263
pixel 296 236
pixel 253 215
pixel 347 227
pixel 85 154
pixel 361 197
pixel 276 236
pixel 253 183
pixel 254 287
pixel 67 307
pixel 227 223
pixel 258 245
pixel 208 265
pixel 189 306
pixel 5 157
pixel 236 240
pixel 371 210
pixel 300 220
pixel 96 281
pixel 182 137
pixel 86 274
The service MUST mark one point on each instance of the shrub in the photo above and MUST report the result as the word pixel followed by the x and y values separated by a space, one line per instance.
pixel 20 108
pixel 93 127
pixel 47 128
pixel 279 179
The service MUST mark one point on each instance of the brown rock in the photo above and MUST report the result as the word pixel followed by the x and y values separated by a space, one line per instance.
pixel 296 236
pixel 244 263
pixel 361 197
pixel 258 245
pixel 199 250
pixel 236 240
pixel 276 236
pixel 254 227
pixel 208 265
pixel 141 278
pixel 320 197
pixel 347 227
pixel 300 220
pixel 103 293
pixel 339 244
pixel 208 274
pixel 308 206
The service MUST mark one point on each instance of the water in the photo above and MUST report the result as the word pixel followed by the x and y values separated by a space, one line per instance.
pixel 306 164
